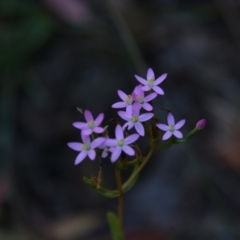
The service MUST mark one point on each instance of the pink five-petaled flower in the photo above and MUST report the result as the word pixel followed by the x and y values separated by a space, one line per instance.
pixel 141 100
pixel 134 119
pixel 171 128
pixel 121 144
pixel 91 125
pixel 151 83
pixel 86 148
pixel 127 100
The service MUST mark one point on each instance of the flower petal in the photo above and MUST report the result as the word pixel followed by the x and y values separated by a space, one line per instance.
pixel 170 119
pixel 80 157
pixel 75 146
pixel 122 95
pixel 99 119
pixel 167 135
pixel 87 131
pixel 147 107
pixel 88 116
pixel 128 150
pixel 162 126
pixel 150 74
pixel 177 134
pixel 141 80
pixel 111 142
pixel 180 124
pixel 145 117
pixel 115 154
pixel 80 125
pixel 119 133
pixel 150 97
pixel 130 125
pixel 158 90
pixel 139 128
pixel 146 88
pixel 160 79
pixel 85 138
pixel 131 138
pixel 124 115
pixel 97 142
pixel 98 130
pixel 91 154
pixel 119 105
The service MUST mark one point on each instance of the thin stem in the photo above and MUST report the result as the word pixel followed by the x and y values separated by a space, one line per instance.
pixel 120 201
pixel 135 174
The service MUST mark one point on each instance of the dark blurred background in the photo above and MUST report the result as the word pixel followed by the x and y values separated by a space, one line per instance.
pixel 56 55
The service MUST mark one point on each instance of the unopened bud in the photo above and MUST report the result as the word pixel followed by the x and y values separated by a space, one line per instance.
pixel 201 124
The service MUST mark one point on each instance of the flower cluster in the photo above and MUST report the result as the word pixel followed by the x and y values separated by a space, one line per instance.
pixel 136 108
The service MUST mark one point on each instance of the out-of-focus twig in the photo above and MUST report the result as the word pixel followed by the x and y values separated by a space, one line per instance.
pixel 126 36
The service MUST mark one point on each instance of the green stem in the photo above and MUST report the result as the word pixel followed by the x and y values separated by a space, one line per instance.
pixel 120 202
pixel 135 174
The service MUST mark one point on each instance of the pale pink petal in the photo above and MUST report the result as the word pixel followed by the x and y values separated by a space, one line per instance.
pixel 111 142
pixel 91 154
pixel 75 146
pixel 97 142
pixel 130 125
pixel 180 124
pixel 170 119
pixel 122 95
pixel 135 109
pixel 98 130
pixel 85 138
pixel 132 138
pixel 139 128
pixel 177 134
pixel 99 119
pixel 124 115
pixel 128 150
pixel 80 157
pixel 160 79
pixel 88 116
pixel 125 125
pixel 150 74
pixel 146 88
pixel 158 90
pixel 167 135
pixel 105 153
pixel 129 110
pixel 119 105
pixel 87 131
pixel 163 126
pixel 80 125
pixel 141 80
pixel 147 107
pixel 145 117
pixel 138 91
pixel 150 97
pixel 116 154
pixel 119 133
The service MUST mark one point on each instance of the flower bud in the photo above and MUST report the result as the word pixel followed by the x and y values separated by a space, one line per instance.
pixel 201 124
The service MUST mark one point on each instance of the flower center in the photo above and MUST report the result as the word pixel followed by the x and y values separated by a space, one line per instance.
pixel 140 99
pixel 91 124
pixel 134 118
pixel 86 147
pixel 171 128
pixel 150 82
pixel 128 99
pixel 120 143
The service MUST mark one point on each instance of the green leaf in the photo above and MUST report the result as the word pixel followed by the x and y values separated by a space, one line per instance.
pixel 113 224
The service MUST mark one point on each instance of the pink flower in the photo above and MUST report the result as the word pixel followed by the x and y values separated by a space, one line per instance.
pixel 91 125
pixel 121 144
pixel 134 119
pixel 201 124
pixel 87 148
pixel 127 100
pixel 171 128
pixel 151 83
pixel 138 97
